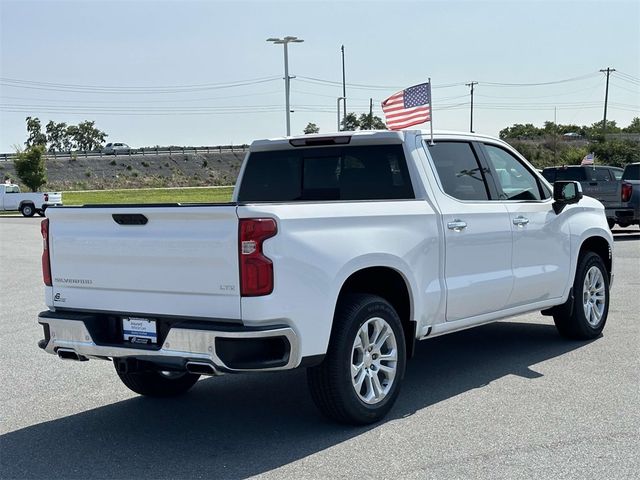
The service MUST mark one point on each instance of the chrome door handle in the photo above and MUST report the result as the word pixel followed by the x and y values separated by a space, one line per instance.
pixel 520 221
pixel 457 225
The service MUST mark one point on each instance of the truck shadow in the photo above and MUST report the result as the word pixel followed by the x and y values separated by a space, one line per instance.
pixel 238 426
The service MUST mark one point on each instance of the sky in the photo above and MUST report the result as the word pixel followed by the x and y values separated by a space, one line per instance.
pixel 202 73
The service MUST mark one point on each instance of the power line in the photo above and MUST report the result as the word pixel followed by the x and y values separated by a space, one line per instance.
pixel 27 84
pixel 540 84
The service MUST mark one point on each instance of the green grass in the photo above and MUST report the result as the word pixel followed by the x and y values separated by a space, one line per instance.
pixel 149 195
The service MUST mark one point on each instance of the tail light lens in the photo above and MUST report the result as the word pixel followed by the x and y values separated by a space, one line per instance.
pixel 46 264
pixel 256 270
pixel 46 197
pixel 627 190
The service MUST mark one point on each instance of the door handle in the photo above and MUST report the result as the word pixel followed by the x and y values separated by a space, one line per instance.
pixel 520 221
pixel 457 225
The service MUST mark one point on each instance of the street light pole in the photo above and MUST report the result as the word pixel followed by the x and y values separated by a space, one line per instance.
pixel 287 79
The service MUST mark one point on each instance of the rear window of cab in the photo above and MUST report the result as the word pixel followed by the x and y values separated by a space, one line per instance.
pixel 372 172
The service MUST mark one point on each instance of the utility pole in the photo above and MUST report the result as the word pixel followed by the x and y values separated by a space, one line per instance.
pixel 287 79
pixel 344 91
pixel 471 85
pixel 606 98
pixel 555 135
pixel 370 113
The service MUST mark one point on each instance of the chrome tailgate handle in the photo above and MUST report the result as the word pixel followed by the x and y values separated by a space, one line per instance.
pixel 457 225
pixel 520 221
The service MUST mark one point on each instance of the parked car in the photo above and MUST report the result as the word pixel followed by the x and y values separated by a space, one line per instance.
pixel 11 198
pixel 115 148
pixel 597 181
pixel 336 254
pixel 629 213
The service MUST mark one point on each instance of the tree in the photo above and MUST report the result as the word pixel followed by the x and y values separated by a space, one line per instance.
pixel 87 137
pixel 350 122
pixel 30 167
pixel 34 130
pixel 595 131
pixel 69 140
pixel 56 135
pixel 371 122
pixel 615 152
pixel 311 128
pixel 520 131
pixel 634 126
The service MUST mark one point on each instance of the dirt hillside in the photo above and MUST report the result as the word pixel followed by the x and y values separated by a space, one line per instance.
pixel 136 171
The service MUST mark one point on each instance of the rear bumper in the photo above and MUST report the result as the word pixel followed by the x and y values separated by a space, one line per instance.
pixel 628 215
pixel 226 348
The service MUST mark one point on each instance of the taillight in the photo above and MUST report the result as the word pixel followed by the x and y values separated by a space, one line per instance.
pixel 46 264
pixel 256 270
pixel 46 197
pixel 627 190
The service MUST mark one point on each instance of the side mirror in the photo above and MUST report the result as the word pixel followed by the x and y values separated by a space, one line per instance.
pixel 565 193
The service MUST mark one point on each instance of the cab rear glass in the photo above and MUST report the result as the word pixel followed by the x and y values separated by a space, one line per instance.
pixel 632 172
pixel 375 172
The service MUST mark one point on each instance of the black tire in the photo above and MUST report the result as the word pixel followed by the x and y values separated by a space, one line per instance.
pixel 27 210
pixel 573 322
pixel 158 384
pixel 330 382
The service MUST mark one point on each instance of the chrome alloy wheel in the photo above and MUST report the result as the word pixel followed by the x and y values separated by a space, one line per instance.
pixel 593 296
pixel 374 360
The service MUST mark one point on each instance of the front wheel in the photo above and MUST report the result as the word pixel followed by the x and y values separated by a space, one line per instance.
pixel 157 383
pixel 359 379
pixel 591 304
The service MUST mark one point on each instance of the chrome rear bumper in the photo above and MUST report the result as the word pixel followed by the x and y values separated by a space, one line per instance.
pixel 179 347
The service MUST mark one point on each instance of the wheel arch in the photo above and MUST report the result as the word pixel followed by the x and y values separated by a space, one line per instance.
pixel 390 284
pixel 600 246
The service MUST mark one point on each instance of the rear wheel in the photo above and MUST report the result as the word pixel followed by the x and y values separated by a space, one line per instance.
pixel 27 210
pixel 359 380
pixel 158 383
pixel 591 303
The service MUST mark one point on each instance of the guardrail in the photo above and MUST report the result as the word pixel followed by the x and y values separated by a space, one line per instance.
pixel 137 151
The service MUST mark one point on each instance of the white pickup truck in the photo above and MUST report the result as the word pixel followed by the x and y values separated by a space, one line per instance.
pixel 337 253
pixel 27 203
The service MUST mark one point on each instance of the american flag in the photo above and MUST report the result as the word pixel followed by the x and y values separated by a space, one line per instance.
pixel 588 159
pixel 408 107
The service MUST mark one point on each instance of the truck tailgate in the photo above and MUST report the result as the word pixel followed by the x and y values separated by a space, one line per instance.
pixel 182 260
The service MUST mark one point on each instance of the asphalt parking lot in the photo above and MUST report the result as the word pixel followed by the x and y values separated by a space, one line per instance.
pixel 507 400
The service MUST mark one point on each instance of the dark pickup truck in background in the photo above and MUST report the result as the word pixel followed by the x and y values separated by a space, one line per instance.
pixel 604 183
pixel 629 212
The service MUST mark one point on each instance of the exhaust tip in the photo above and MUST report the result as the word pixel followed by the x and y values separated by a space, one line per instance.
pixel 201 368
pixel 68 354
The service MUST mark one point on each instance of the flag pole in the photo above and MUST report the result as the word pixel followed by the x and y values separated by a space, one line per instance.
pixel 430 111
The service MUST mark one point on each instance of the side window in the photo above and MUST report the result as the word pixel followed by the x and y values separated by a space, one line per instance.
pixel 459 170
pixel 514 180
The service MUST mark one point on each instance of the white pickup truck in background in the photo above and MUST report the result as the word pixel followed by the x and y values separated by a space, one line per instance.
pixel 11 198
pixel 337 253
